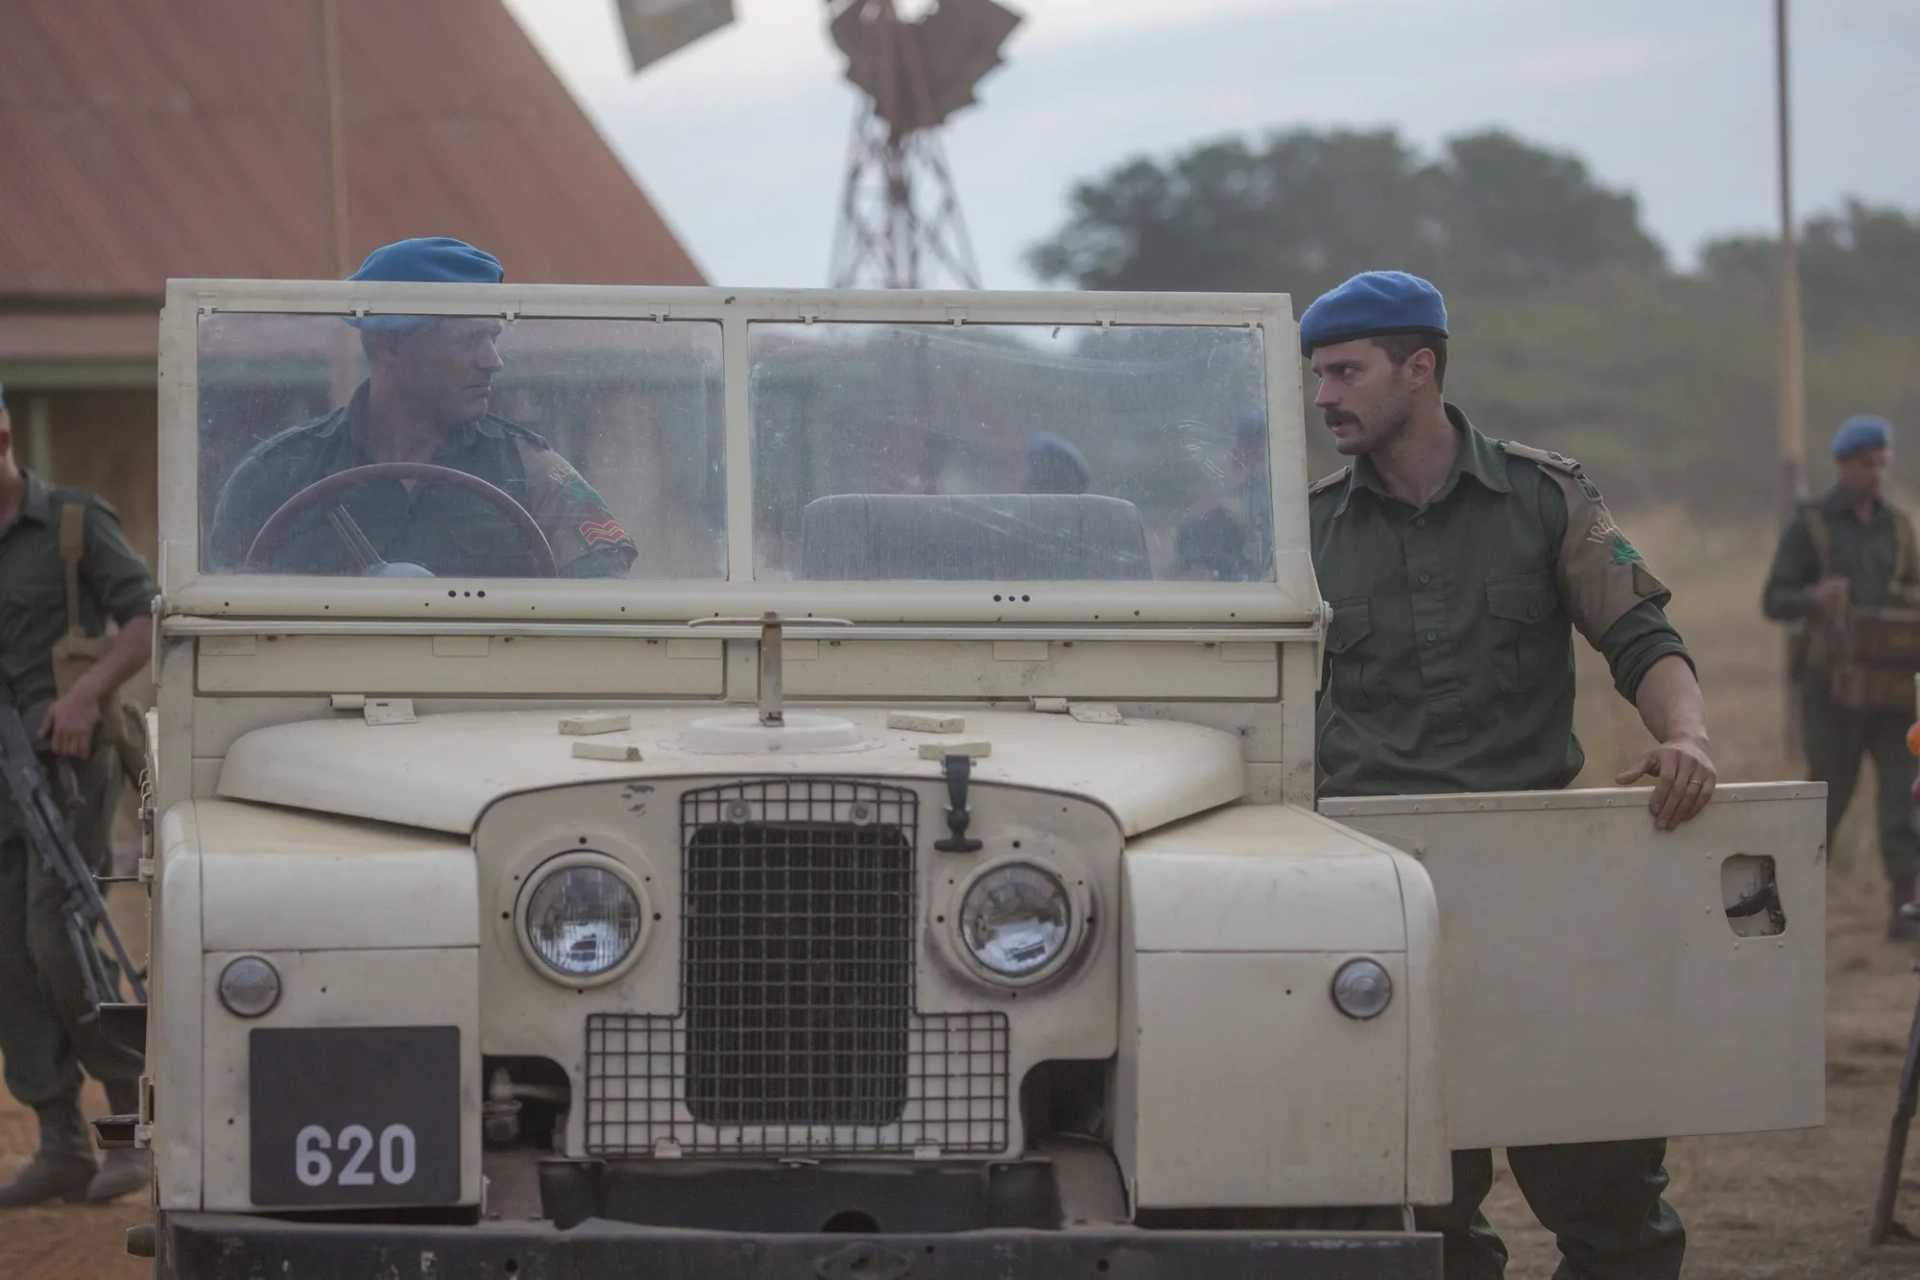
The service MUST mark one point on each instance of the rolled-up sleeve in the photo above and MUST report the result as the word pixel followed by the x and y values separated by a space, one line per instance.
pixel 1631 646
pixel 112 571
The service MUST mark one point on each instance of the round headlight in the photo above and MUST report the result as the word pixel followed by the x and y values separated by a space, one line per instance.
pixel 1362 989
pixel 1015 919
pixel 583 920
pixel 249 986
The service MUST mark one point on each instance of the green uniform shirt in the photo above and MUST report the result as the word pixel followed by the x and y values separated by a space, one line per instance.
pixel 1865 554
pixel 1450 657
pixel 114 583
pixel 447 530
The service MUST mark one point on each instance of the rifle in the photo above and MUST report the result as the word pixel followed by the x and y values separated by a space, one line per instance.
pixel 1883 1226
pixel 50 832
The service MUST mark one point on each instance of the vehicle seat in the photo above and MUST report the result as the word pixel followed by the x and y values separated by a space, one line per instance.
pixel 981 537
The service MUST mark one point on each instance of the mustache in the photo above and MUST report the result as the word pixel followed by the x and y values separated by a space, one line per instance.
pixel 1340 417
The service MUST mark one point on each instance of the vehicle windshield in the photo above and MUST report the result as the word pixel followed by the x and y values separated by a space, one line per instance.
pixel 483 447
pixel 1009 452
pixel 458 446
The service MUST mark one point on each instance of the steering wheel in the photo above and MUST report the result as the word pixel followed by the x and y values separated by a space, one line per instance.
pixel 323 490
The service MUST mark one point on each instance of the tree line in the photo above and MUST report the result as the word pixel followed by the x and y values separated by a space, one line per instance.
pixel 1572 328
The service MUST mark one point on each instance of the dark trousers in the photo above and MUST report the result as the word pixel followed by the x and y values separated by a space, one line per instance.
pixel 43 997
pixel 1601 1200
pixel 1835 739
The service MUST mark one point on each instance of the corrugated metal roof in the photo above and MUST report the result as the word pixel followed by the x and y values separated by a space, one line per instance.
pixel 167 138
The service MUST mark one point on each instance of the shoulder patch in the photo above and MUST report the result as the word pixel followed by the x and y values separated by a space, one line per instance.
pixel 1554 462
pixel 1325 483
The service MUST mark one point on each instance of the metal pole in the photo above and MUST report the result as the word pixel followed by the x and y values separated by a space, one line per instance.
pixel 1793 419
pixel 338 245
pixel 1788 357
pixel 336 139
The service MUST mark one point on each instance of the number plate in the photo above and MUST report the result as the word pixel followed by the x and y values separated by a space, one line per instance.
pixel 355 1115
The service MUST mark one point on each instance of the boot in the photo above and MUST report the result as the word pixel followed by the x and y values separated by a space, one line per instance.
pixel 1902 927
pixel 125 1168
pixel 62 1167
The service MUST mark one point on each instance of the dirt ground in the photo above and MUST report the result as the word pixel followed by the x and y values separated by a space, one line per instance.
pixel 1789 1206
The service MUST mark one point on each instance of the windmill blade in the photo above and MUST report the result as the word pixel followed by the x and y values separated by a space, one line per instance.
pixel 656 28
pixel 959 44
pixel 918 73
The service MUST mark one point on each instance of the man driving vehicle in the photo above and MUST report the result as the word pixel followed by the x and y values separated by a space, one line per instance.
pixel 1230 538
pixel 425 400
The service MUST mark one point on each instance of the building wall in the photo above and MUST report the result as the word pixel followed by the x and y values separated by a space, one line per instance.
pixel 105 441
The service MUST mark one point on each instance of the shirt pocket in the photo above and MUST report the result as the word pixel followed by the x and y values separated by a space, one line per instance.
pixel 1350 658
pixel 1524 609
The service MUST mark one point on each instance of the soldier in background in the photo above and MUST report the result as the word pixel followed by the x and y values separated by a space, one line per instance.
pixel 1056 465
pixel 65 571
pixel 1851 548
pixel 1230 537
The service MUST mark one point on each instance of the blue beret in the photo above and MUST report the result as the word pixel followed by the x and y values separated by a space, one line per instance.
pixel 1056 459
pixel 1045 447
pixel 1370 305
pixel 1862 431
pixel 431 259
pixel 425 260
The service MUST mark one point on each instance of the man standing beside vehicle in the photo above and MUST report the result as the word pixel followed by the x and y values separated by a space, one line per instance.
pixel 65 570
pixel 1457 567
pixel 1852 549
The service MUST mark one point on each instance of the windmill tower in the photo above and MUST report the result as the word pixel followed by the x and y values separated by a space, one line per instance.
pixel 900 225
pixel 900 220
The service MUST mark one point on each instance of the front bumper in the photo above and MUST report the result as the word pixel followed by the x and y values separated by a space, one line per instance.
pixel 196 1246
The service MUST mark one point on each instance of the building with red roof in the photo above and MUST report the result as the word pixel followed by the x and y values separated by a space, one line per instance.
pixel 173 138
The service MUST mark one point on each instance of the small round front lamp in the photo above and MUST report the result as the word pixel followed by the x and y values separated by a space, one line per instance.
pixel 583 919
pixel 1015 920
pixel 249 987
pixel 1362 989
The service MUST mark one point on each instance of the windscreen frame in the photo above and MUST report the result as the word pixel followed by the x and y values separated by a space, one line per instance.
pixel 1292 596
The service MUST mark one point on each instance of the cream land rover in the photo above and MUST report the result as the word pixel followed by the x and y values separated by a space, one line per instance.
pixel 909 869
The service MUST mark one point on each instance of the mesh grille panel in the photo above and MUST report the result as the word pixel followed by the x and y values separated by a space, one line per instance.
pixel 797 976
pixel 797 1029
pixel 953 1094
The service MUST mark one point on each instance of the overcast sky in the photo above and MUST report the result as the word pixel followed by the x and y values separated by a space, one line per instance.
pixel 741 139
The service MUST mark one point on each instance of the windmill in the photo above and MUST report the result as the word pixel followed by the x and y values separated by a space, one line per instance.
pixel 900 219
pixel 900 225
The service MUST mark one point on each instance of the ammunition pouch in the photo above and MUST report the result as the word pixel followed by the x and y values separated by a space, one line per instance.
pixel 1874 655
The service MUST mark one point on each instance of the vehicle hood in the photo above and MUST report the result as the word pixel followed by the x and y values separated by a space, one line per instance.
pixel 442 771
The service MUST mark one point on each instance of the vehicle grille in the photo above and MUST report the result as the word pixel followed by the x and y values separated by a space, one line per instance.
pixel 797 1030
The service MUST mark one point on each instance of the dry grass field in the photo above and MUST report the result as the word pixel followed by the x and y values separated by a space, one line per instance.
pixel 1769 1207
